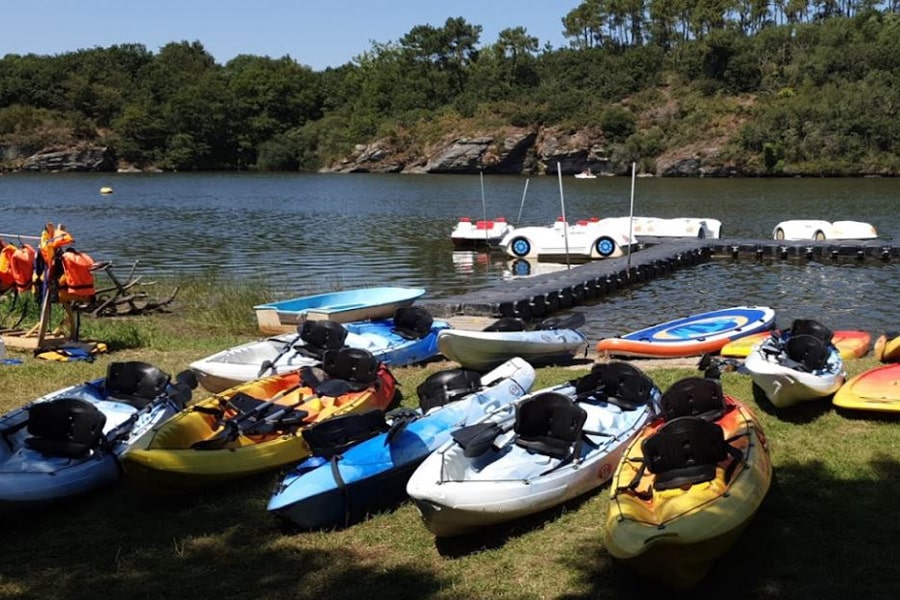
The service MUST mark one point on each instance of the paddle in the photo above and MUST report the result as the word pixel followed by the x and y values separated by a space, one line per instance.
pixel 232 428
pixel 270 364
pixel 571 322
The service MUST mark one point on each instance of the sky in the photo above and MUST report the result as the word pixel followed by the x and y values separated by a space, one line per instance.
pixel 317 34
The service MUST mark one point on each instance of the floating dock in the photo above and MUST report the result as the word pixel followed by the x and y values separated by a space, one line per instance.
pixel 538 296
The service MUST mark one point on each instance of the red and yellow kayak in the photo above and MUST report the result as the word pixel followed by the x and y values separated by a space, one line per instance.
pixel 876 390
pixel 850 343
pixel 887 347
pixel 673 530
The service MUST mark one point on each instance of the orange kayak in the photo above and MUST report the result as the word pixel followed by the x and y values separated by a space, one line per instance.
pixel 876 390
pixel 887 347
pixel 850 343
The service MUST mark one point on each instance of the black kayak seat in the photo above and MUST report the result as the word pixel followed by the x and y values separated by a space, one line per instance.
pixel 684 451
pixel 813 328
pixel 135 382
pixel 357 366
pixel 446 386
pixel 67 427
pixel 334 435
pixel 618 383
pixel 694 397
pixel 319 336
pixel 506 324
pixel 549 423
pixel 809 351
pixel 412 322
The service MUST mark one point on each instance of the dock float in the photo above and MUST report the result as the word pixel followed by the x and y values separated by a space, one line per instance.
pixel 539 296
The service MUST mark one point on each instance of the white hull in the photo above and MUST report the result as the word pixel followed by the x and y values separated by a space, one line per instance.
pixel 457 495
pixel 486 349
pixel 785 386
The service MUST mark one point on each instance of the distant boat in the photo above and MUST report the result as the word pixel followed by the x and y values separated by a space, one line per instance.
pixel 586 174
pixel 106 190
pixel 343 307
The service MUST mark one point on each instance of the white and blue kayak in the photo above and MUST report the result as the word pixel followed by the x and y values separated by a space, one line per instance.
pixel 69 442
pixel 323 491
pixel 694 335
pixel 409 337
pixel 482 350
pixel 546 448
pixel 344 306
pixel 797 365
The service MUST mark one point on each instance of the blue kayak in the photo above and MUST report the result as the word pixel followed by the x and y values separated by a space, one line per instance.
pixel 409 337
pixel 69 441
pixel 333 491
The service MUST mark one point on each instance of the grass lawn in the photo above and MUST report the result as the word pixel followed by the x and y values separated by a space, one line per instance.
pixel 825 530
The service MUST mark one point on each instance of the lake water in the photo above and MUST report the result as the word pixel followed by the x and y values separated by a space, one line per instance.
pixel 306 233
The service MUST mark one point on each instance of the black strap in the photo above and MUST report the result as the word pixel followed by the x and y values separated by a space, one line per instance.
pixel 342 486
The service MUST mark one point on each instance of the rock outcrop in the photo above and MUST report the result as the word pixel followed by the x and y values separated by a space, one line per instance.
pixel 89 158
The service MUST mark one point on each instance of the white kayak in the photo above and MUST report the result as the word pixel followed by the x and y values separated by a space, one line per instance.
pixel 548 447
pixel 798 365
pixel 506 338
pixel 407 338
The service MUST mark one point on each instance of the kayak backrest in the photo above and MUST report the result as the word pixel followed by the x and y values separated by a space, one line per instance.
pixel 549 423
pixel 412 322
pixel 506 324
pixel 332 436
pixel 618 383
pixel 67 427
pixel 320 336
pixel 357 366
pixel 135 382
pixel 684 451
pixel 809 351
pixel 446 386
pixel 813 328
pixel 693 397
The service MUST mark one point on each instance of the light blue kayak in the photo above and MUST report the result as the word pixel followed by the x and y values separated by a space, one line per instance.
pixel 69 442
pixel 333 491
pixel 387 339
pixel 343 307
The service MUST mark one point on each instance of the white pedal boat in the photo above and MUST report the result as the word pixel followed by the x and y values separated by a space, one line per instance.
pixel 468 234
pixel 797 365
pixel 587 239
pixel 811 229
pixel 687 227
pixel 546 448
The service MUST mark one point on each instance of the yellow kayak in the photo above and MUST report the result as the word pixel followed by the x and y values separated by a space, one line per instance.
pixel 849 342
pixel 257 426
pixel 887 347
pixel 673 511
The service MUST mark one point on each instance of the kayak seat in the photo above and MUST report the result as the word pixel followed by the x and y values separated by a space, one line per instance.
pixel 412 322
pixel 137 383
pixel 333 436
pixel 244 403
pixel 549 423
pixel 684 451
pixel 319 336
pixel 618 383
pixel 506 324
pixel 67 427
pixel 813 328
pixel 446 386
pixel 694 397
pixel 476 439
pixel 356 366
pixel 809 351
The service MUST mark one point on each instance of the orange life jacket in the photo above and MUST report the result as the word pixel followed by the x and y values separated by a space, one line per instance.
pixel 22 262
pixel 53 238
pixel 6 275
pixel 77 278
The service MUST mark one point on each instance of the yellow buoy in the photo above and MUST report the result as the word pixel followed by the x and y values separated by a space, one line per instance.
pixel 106 190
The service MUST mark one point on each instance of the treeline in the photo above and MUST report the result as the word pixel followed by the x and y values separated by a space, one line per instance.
pixel 794 86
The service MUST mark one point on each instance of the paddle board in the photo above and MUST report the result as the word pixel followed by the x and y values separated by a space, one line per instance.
pixel 691 336
pixel 850 343
pixel 877 389
pixel 887 347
